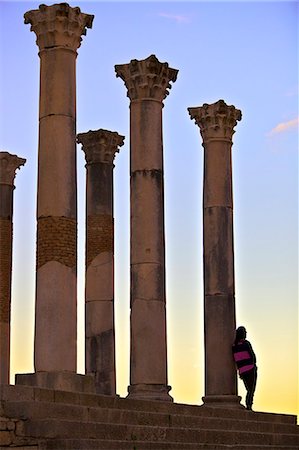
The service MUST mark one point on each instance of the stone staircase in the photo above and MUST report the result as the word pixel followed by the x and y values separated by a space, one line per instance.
pixel 43 419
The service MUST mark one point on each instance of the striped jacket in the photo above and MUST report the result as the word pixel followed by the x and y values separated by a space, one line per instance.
pixel 244 356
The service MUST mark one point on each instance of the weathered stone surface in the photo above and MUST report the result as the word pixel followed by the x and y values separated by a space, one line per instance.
pixel 58 25
pixel 99 316
pixel 57 241
pixel 64 381
pixel 146 79
pixel 218 254
pixel 148 279
pixel 146 136
pixel 147 218
pixel 148 337
pixel 56 324
pixel 5 268
pixel 100 236
pixel 58 29
pixel 216 123
pixel 57 191
pixel 100 147
pixel 100 278
pixel 147 83
pixel 8 166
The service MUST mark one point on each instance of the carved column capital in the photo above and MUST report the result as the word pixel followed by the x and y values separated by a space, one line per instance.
pixel 146 79
pixel 216 121
pixel 100 146
pixel 58 25
pixel 8 166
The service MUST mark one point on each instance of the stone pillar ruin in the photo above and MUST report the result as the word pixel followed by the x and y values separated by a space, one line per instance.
pixel 8 166
pixel 100 147
pixel 147 82
pixel 58 29
pixel 216 123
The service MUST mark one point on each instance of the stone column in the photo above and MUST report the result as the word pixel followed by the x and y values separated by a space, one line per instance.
pixel 216 123
pixel 100 147
pixel 147 82
pixel 58 29
pixel 8 166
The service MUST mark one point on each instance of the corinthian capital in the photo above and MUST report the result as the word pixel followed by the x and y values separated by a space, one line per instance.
pixel 146 79
pixel 100 146
pixel 58 25
pixel 8 166
pixel 216 121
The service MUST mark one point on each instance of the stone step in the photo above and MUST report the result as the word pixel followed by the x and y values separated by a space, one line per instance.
pixel 98 444
pixel 43 410
pixel 11 393
pixel 53 428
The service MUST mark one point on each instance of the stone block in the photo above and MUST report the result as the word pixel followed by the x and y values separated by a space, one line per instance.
pixel 146 136
pixel 99 278
pixel 148 282
pixel 148 343
pixel 147 212
pixel 5 438
pixel 57 167
pixel 63 381
pixel 56 325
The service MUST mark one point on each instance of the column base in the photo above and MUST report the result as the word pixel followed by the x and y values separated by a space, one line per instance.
pixel 158 392
pixel 222 401
pixel 62 381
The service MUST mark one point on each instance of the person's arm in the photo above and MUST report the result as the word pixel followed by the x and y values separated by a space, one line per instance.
pixel 252 354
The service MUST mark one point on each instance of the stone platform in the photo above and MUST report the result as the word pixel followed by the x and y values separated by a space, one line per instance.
pixel 34 418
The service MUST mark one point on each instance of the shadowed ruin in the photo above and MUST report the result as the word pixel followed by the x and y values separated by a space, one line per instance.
pixel 54 407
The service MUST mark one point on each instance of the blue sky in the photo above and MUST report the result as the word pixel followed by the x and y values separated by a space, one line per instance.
pixel 243 52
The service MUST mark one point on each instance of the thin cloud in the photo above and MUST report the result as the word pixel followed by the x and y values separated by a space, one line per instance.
pixel 178 18
pixel 284 126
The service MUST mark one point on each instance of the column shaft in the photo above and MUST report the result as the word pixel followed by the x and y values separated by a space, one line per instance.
pixel 148 313
pixel 100 343
pixel 58 29
pixel 100 147
pixel 147 82
pixel 216 123
pixel 56 282
pixel 8 165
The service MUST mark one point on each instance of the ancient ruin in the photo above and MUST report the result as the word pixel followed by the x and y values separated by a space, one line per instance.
pixel 8 166
pixel 100 147
pixel 58 29
pixel 56 408
pixel 216 123
pixel 147 82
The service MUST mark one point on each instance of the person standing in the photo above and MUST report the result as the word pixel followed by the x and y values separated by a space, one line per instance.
pixel 245 360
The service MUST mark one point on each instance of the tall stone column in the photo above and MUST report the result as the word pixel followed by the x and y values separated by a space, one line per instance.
pixel 216 123
pixel 100 147
pixel 58 29
pixel 8 166
pixel 147 82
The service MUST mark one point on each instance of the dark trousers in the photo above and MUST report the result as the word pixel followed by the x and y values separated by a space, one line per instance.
pixel 249 379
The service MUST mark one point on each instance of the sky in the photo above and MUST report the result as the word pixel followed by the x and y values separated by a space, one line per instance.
pixel 243 52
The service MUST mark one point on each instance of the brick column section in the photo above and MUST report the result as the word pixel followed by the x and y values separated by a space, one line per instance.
pixel 8 166
pixel 100 147
pixel 147 82
pixel 216 123
pixel 58 29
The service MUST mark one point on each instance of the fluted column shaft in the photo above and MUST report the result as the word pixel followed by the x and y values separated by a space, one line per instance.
pixel 100 147
pixel 8 166
pixel 216 123
pixel 58 29
pixel 147 82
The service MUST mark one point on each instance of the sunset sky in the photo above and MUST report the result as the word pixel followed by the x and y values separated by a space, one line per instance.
pixel 243 52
